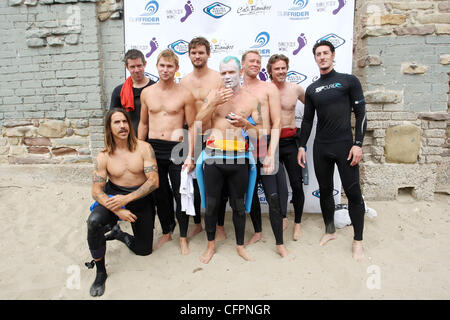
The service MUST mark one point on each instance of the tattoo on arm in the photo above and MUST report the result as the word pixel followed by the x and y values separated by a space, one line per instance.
pixel 152 152
pixel 144 190
pixel 152 168
pixel 97 179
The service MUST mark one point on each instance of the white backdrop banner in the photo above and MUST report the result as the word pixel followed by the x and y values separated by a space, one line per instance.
pixel 290 27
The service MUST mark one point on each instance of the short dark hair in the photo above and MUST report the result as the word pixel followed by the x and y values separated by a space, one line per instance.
pixel 274 58
pixel 200 41
pixel 323 43
pixel 133 54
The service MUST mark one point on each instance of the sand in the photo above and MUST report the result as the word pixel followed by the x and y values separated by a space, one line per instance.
pixel 43 249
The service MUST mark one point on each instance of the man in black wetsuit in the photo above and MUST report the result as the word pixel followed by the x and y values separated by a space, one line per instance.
pixel 124 175
pixel 128 94
pixel 333 96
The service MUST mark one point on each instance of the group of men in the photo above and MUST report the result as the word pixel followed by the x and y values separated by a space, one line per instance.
pixel 232 130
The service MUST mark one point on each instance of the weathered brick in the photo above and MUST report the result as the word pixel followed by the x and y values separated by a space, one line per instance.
pixel 435 142
pixel 38 150
pixel 434 133
pixel 39 141
pixel 62 151
pixel 415 30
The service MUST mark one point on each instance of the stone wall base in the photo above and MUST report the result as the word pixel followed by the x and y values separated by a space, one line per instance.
pixel 383 181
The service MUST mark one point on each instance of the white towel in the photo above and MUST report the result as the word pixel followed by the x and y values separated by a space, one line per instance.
pixel 187 192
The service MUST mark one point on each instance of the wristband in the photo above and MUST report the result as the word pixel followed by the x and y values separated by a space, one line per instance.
pixel 190 158
pixel 358 143
pixel 304 148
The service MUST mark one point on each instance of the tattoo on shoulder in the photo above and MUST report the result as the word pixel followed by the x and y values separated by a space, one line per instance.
pixel 152 152
pixel 152 168
pixel 97 179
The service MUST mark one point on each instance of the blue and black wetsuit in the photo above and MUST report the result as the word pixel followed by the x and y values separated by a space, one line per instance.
pixel 333 96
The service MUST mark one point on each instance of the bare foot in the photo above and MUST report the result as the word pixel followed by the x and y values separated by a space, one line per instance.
pixel 358 251
pixel 197 229
pixel 285 223
pixel 327 237
pixel 255 238
pixel 243 253
pixel 184 246
pixel 208 254
pixel 282 251
pixel 164 238
pixel 220 233
pixel 297 231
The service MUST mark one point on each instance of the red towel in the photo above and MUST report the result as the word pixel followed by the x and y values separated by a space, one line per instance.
pixel 127 96
pixel 288 132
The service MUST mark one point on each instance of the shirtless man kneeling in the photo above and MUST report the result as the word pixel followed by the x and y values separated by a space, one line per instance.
pixel 226 154
pixel 127 171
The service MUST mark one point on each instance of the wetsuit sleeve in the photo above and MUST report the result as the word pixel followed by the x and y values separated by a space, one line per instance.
pixel 115 98
pixel 307 122
pixel 359 108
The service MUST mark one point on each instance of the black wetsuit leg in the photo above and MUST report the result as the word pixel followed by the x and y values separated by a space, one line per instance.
pixel 237 182
pixel 175 179
pixel 102 220
pixel 282 189
pixel 270 185
pixel 325 156
pixel 236 178
pixel 288 156
pixel 164 198
pixel 222 207
pixel 197 203
pixel 213 180
pixel 255 211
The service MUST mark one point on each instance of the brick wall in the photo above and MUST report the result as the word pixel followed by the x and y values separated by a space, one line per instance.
pixel 59 62
pixel 402 57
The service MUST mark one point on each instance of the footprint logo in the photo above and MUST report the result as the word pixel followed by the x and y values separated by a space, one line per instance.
pixel 153 46
pixel 263 75
pixel 301 44
pixel 340 6
pixel 189 8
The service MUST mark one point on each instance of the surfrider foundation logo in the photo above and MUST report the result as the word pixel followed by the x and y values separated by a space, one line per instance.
pixel 149 17
pixel 296 11
pixel 261 40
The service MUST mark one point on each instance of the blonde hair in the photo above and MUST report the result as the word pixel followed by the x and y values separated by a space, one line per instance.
pixel 249 51
pixel 168 54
